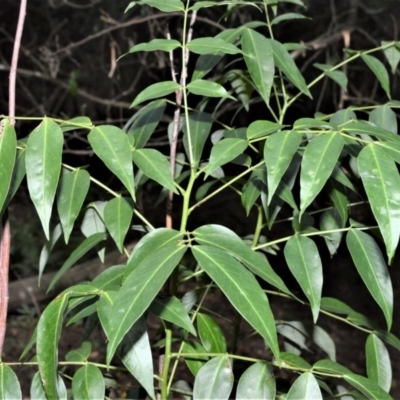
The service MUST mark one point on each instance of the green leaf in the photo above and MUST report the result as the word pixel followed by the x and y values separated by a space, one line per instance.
pixel 286 17
pixel 162 5
pixel 194 362
pixel 303 259
pixel 118 214
pixel 212 45
pixel 262 128
pixel 17 176
pixel 199 129
pixel 112 146
pixel 43 166
pixel 135 353
pixel 257 383
pixel 214 380
pixel 156 166
pixel 373 270
pixel 171 309
pixel 337 193
pixel 81 354
pixel 205 88
pixel 363 127
pixel 294 361
pixel 377 67
pixel 319 160
pixel 259 60
pixel 138 290
pixel 331 367
pixel 211 335
pixel 224 151
pixel 379 368
pixel 221 237
pixel 76 255
pixel 384 117
pixel 322 339
pixel 8 151
pixel 156 44
pixel 279 150
pixel 242 289
pixel 284 62
pixel 392 55
pixel 155 91
pixel 305 387
pixel 37 392
pixel 336 306
pixel 331 221
pixel 391 149
pixel 88 383
pixel 146 122
pixel 251 192
pixel 367 387
pixel 47 249
pixel 342 116
pixel 381 181
pixel 337 76
pixel 72 191
pixel 9 384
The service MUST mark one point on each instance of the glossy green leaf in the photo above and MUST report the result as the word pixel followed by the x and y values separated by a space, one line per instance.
pixel 331 367
pixel 392 55
pixel 212 45
pixel 138 291
pixel 285 63
pixel 81 354
pixel 88 383
pixel 257 383
pixel 384 117
pixel 171 309
pixel 194 362
pixel 9 384
pixel 72 192
pixel 379 368
pixel 379 70
pixel 162 5
pixel 8 151
pixel 381 181
pixel 367 387
pixel 262 128
pixel 214 380
pixel 278 153
pixel 319 160
pixel 37 391
pixel 205 88
pixel 75 123
pixel 156 45
pixel 372 268
pixel 156 91
pixel 303 259
pixel 258 57
pixel 118 216
pixel 389 338
pixel 18 174
pixel 305 387
pixel 76 255
pixel 135 353
pixel 211 335
pixel 224 151
pixel 146 122
pixel 199 129
pixel 112 146
pixel 336 306
pixel 221 237
pixel 43 166
pixel 242 290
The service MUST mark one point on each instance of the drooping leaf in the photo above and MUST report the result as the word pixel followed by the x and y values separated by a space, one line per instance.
pixel 305 387
pixel 9 384
pixel 37 391
pixel 384 117
pixel 43 166
pixel 194 362
pixel 201 87
pixel 337 76
pixel 259 60
pixel 18 174
pixel 251 192
pixel 372 268
pixel 303 259
pixel 211 335
pixel 162 5
pixel 214 380
pixel 72 191
pixel 118 214
pixel 88 383
pixel 212 45
pixel 242 290
pixel 257 383
pixel 322 339
pixel 337 193
pixel 156 44
pixel 377 67
pixel 367 387
pixel 112 146
pixel 156 91
pixel 392 55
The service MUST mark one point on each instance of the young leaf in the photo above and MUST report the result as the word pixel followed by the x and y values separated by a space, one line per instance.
pixel 379 368
pixel 156 166
pixel 373 270
pixel 337 193
pixel 319 160
pixel 211 335
pixel 258 56
pixel 156 45
pixel 156 91
pixel 112 146
pixel 43 166
pixel 257 383
pixel 278 153
pixel 205 88
pixel 305 387
pixel 118 214
pixel 212 45
pixel 9 384
pixel 242 290
pixel 72 191
pixel 8 151
pixel 381 181
pixel 214 380
pixel 88 383
pixel 303 259
pixel 367 387
pixel 377 67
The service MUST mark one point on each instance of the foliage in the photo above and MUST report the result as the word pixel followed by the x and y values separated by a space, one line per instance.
pixel 282 168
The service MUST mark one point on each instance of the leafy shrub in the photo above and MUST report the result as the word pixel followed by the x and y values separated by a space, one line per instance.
pixel 279 169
